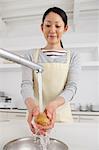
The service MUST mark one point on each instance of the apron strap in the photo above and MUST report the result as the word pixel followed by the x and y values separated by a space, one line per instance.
pixel 36 55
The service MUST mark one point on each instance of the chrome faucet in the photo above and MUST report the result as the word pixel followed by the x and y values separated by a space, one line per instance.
pixel 20 60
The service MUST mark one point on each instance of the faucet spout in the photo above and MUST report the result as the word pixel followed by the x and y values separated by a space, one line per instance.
pixel 20 60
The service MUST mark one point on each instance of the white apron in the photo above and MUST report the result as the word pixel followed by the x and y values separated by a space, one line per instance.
pixel 54 79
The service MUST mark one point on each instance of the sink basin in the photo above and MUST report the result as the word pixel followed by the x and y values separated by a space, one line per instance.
pixel 33 143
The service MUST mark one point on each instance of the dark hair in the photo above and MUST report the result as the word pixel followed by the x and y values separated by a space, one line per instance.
pixel 58 11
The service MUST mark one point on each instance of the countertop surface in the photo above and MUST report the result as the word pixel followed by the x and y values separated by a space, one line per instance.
pixel 78 136
pixel 73 112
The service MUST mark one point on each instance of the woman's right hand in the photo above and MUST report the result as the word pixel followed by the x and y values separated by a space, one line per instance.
pixel 31 115
pixel 33 111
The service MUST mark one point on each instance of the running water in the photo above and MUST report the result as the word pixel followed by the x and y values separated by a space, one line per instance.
pixel 44 140
pixel 40 91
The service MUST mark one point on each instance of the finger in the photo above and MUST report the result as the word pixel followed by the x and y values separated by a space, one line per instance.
pixel 42 132
pixel 36 111
pixel 30 116
pixel 29 120
pixel 32 129
pixel 48 114
pixel 53 120
pixel 40 127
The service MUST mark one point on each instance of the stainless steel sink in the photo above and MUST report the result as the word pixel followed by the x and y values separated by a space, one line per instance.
pixel 33 143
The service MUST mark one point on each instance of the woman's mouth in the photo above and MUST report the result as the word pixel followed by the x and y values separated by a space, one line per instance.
pixel 51 36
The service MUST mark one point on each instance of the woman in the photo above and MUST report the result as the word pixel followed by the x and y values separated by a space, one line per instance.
pixel 60 75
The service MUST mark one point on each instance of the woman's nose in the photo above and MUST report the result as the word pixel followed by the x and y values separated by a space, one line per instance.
pixel 52 29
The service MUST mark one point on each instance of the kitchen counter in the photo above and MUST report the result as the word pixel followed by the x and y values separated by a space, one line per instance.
pixel 14 110
pixel 89 113
pixel 78 136
pixel 73 112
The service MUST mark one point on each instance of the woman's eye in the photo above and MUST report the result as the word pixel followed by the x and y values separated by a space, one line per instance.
pixel 58 26
pixel 48 25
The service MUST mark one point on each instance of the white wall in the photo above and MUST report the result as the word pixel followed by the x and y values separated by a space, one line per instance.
pixel 88 88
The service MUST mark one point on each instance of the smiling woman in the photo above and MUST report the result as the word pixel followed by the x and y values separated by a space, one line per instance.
pixel 60 75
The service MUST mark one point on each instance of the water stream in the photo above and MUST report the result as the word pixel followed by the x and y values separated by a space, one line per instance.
pixel 40 91
pixel 44 140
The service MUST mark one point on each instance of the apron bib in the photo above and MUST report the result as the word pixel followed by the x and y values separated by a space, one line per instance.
pixel 54 79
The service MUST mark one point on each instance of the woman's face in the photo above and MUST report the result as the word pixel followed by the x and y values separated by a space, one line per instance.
pixel 53 28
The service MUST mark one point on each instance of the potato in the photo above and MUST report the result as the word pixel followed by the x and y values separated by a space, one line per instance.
pixel 42 119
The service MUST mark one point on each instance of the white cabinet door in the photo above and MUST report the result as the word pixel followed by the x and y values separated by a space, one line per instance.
pixel 3 117
pixel 89 119
pixel 76 118
pixel 17 116
pixel 7 116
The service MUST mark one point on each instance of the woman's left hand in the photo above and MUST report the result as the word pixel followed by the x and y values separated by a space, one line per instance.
pixel 50 112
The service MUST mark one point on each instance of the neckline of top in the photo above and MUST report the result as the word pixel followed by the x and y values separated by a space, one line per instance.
pixel 53 50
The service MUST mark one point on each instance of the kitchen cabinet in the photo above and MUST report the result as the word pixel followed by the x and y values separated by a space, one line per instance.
pixel 85 118
pixel 12 115
pixel 90 117
pixel 3 117
pixel 17 116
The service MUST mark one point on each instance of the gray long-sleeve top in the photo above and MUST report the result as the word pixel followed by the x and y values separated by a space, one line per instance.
pixel 47 56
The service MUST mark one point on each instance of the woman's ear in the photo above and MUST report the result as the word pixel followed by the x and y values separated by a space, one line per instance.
pixel 66 28
pixel 42 27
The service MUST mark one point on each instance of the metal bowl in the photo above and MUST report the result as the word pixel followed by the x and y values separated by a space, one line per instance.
pixel 94 108
pixel 33 143
pixel 83 108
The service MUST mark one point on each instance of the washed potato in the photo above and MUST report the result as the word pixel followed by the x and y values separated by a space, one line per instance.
pixel 42 119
